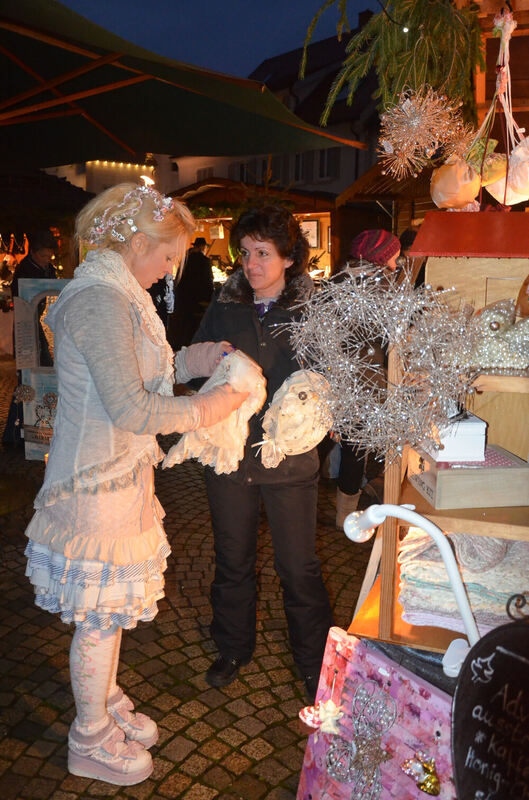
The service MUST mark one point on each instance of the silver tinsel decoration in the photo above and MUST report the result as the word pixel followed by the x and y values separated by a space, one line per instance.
pixel 338 333
pixel 422 126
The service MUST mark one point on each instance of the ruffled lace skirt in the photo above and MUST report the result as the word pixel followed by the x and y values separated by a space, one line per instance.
pixel 98 560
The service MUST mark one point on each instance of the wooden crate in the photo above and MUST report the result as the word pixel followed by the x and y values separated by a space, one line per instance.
pixel 500 481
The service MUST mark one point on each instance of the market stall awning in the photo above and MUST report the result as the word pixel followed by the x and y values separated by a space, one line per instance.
pixel 72 91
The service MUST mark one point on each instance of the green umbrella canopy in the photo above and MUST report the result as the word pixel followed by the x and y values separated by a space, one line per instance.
pixel 72 91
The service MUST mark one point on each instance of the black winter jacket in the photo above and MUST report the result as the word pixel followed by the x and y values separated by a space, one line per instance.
pixel 232 316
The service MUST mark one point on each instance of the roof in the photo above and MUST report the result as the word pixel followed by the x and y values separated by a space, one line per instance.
pixel 375 185
pixel 225 192
pixel 484 234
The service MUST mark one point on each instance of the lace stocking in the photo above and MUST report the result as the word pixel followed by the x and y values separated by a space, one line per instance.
pixel 91 669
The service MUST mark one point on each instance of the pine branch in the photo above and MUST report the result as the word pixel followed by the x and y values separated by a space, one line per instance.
pixel 442 49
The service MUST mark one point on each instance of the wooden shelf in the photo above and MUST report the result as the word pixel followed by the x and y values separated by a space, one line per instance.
pixel 518 384
pixel 366 624
pixel 504 523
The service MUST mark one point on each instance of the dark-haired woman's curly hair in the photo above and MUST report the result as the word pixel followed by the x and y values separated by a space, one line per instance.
pixel 274 224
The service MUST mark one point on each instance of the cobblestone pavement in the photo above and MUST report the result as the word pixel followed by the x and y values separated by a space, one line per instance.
pixel 242 741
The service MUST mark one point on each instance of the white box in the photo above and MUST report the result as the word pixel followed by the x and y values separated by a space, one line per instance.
pixel 462 440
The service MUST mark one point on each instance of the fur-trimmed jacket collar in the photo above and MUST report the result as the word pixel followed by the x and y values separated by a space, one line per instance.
pixel 238 290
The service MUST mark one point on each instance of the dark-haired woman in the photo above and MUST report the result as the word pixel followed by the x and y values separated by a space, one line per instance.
pixel 249 312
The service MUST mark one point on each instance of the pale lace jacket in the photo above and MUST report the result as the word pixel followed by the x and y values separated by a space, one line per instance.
pixel 115 375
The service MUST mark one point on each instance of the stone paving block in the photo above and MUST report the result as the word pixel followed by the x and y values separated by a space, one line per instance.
pixel 232 736
pixel 220 718
pixel 143 692
pixel 193 710
pixel 141 791
pixel 165 701
pixel 26 766
pixel 218 778
pixel 54 771
pixel 214 749
pixel 12 786
pixel 235 689
pixel 161 767
pixel 236 763
pixel 279 736
pixel 258 680
pixel 200 664
pixel 247 788
pixel 195 765
pixel 174 785
pixel 199 731
pixel 200 792
pixel 12 748
pixel 178 749
pixel 270 715
pixel 271 771
pixel 58 732
pixel 261 699
pixel 240 708
pixel 257 748
pixel 250 726
pixel 102 789
pixel 173 657
pixel 291 757
pixel 280 793
pixel 73 783
pixel 174 722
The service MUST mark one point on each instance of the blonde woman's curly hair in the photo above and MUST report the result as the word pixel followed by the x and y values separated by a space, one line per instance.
pixel 112 218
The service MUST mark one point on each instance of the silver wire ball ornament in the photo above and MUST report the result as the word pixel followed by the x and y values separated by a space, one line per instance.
pixel 339 328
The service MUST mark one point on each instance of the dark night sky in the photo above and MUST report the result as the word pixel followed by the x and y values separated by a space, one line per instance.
pixel 232 36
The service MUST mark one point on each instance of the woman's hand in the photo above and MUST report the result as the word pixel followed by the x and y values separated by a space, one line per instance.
pixel 202 358
pixel 217 404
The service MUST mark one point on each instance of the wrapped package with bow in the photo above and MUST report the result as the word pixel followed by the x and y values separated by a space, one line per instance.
pixel 221 446
pixel 297 419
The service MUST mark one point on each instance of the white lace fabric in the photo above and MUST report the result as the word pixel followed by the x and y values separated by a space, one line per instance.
pixel 221 446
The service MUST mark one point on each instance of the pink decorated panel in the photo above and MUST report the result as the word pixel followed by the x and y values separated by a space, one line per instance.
pixel 382 720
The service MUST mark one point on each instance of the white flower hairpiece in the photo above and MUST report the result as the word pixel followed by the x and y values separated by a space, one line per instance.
pixel 110 222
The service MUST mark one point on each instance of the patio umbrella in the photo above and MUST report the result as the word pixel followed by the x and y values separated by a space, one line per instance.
pixel 72 91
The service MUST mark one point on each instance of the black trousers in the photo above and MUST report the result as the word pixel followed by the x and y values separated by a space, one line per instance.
pixel 291 512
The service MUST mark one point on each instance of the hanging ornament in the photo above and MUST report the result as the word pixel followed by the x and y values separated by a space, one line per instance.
pixel 423 126
pixel 432 342
pixel 454 185
pixel 422 770
pixel 505 176
pixel 325 715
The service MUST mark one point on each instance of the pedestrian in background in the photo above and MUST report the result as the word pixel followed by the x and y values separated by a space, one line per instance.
pixel 192 295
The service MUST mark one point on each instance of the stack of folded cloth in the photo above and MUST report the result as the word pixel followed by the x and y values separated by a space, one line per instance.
pixel 492 571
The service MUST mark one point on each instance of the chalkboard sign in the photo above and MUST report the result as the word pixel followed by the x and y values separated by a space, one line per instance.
pixel 490 718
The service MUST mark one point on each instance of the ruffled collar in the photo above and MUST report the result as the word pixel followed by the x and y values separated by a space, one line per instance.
pixel 108 267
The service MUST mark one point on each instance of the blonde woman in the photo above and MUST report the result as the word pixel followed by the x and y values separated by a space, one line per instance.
pixel 97 549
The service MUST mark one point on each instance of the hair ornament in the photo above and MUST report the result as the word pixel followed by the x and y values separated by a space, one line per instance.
pixel 110 221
